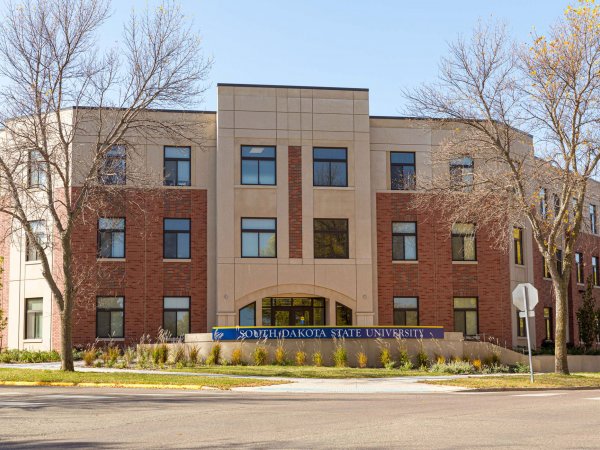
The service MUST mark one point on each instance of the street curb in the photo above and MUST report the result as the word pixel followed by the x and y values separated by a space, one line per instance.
pixel 112 385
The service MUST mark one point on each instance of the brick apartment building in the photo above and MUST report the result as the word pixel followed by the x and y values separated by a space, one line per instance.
pixel 295 210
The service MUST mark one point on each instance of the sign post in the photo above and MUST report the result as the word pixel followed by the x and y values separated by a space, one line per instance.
pixel 525 297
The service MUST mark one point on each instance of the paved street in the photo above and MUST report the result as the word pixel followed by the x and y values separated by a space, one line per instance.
pixel 45 417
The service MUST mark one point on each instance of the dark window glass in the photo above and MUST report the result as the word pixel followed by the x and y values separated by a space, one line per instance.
pixel 177 169
pixel 465 315
pixel 176 237
pixel 461 173
pixel 543 202
pixel 403 171
pixel 37 170
pixel 110 317
pixel 293 311
pixel 579 267
pixel 258 165
pixel 330 167
pixel 593 219
pixel 113 170
pixel 595 273
pixel 406 311
pixel 248 315
pixel 404 241
pixel 259 238
pixel 559 261
pixel 521 326
pixel 38 229
pixel 34 318
pixel 548 329
pixel 176 315
pixel 343 315
pixel 518 245
pixel 464 244
pixel 331 238
pixel 556 200
pixel 111 238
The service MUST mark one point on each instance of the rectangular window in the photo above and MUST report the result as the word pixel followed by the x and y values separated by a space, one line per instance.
pixel 593 219
pixel 331 238
pixel 259 238
pixel 464 244
pixel 113 169
pixel 343 315
pixel 258 165
pixel 545 268
pixel 465 315
pixel 595 273
pixel 461 173
pixel 404 241
pixel 37 170
pixel 111 238
pixel 406 311
pixel 403 171
pixel 556 200
pixel 248 315
pixel 176 237
pixel 548 324
pixel 559 262
pixel 38 228
pixel 33 319
pixel 176 315
pixel 579 267
pixel 330 167
pixel 521 326
pixel 177 166
pixel 518 245
pixel 110 317
pixel 543 203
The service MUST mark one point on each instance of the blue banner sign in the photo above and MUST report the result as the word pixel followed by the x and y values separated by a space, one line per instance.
pixel 239 333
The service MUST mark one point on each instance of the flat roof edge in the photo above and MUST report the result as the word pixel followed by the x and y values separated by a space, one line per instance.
pixel 286 86
pixel 191 111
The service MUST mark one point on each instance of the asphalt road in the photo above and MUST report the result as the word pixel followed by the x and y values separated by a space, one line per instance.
pixel 44 417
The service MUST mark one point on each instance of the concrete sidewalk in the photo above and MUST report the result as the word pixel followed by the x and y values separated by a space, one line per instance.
pixel 396 385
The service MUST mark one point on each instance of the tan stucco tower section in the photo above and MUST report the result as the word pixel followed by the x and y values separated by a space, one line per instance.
pixel 283 117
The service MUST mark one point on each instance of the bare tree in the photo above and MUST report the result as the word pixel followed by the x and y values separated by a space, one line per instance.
pixel 489 88
pixel 57 84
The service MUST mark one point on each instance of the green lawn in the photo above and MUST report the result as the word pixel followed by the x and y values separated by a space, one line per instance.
pixel 304 371
pixel 542 381
pixel 120 379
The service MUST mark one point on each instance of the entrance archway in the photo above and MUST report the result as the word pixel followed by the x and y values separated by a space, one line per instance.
pixel 293 311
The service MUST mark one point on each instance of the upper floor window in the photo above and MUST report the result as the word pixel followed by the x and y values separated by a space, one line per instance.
pixel 579 267
pixel 464 244
pixel 404 241
pixel 259 238
pixel 595 273
pixel 114 167
pixel 593 219
pixel 556 201
pixel 406 311
pixel 177 169
pixel 403 171
pixel 543 203
pixel 518 245
pixel 37 170
pixel 258 165
pixel 33 319
pixel 110 317
pixel 176 238
pixel 38 229
pixel 176 315
pixel 111 238
pixel 331 238
pixel 465 315
pixel 559 261
pixel 461 173
pixel 545 268
pixel 330 167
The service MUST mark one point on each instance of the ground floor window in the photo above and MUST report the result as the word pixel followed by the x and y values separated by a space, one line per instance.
pixel 33 320
pixel 248 315
pixel 343 315
pixel 297 311
pixel 465 315
pixel 548 324
pixel 176 315
pixel 406 311
pixel 522 326
pixel 110 317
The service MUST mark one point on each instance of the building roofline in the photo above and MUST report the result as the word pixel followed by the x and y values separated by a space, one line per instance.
pixel 191 111
pixel 286 86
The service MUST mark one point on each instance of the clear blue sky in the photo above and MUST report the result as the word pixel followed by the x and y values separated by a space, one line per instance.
pixel 383 45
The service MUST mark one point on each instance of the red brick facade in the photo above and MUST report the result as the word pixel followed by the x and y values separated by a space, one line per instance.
pixel 144 278
pixel 295 200
pixel 434 279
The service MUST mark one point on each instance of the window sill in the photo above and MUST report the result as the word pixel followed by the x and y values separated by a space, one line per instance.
pixel 466 263
pixel 176 187
pixel 177 260
pixel 31 263
pixel 110 339
pixel 405 261
pixel 110 259
pixel 254 186
pixel 546 278
pixel 33 341
pixel 329 188
pixel 520 265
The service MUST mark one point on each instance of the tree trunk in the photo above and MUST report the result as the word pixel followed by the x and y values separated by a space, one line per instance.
pixel 66 346
pixel 561 364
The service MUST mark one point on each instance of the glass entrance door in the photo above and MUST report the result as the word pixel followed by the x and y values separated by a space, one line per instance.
pixel 294 312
